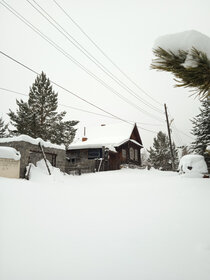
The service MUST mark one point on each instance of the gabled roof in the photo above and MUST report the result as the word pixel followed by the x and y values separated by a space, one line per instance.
pixel 110 136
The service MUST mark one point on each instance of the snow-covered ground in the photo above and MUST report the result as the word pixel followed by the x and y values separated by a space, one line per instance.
pixel 127 224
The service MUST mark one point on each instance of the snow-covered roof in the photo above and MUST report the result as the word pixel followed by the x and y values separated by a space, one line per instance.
pixel 31 140
pixel 109 136
pixel 9 153
pixel 185 41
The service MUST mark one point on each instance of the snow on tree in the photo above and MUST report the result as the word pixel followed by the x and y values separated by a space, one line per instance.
pixel 38 116
pixel 201 130
pixel 3 129
pixel 187 56
pixel 160 155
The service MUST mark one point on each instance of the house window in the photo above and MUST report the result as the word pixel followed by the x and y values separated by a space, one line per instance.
pixel 73 160
pixel 94 153
pixel 136 155
pixel 131 153
pixel 123 153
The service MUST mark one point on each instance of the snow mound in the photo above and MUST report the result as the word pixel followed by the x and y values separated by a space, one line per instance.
pixel 193 165
pixel 9 153
pixel 185 41
pixel 39 173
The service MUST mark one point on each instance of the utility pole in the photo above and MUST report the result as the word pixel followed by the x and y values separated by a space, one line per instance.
pixel 169 136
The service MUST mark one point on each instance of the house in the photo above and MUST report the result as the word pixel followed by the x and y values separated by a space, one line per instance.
pixel 30 151
pixel 105 147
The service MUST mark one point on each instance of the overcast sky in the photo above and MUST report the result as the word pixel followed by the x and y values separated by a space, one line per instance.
pixel 125 30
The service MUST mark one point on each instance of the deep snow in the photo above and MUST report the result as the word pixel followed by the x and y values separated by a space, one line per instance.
pixel 127 224
pixel 9 153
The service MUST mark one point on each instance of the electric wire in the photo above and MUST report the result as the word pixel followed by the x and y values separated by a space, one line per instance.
pixel 46 38
pixel 66 34
pixel 63 88
pixel 104 54
pixel 179 131
pixel 79 109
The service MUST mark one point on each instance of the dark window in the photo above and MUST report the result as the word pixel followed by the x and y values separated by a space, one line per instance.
pixel 53 160
pixel 73 160
pixel 74 154
pixel 94 153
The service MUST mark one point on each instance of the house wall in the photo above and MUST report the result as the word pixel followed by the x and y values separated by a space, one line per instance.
pixel 31 154
pixel 78 162
pixel 127 147
pixel 9 168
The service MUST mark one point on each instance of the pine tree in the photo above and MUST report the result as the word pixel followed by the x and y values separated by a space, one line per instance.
pixel 3 129
pixel 201 130
pixel 38 117
pixel 195 75
pixel 160 156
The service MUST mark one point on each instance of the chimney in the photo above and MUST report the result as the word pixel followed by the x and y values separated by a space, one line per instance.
pixel 84 138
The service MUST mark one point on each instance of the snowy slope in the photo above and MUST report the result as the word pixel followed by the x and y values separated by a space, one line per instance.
pixel 126 225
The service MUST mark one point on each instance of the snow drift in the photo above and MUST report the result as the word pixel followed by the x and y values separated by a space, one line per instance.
pixel 9 153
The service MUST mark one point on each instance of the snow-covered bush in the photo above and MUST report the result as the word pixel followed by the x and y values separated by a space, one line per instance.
pixel 194 164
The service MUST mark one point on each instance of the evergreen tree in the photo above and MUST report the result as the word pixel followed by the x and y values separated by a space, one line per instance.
pixel 38 117
pixel 3 129
pixel 195 75
pixel 201 130
pixel 160 156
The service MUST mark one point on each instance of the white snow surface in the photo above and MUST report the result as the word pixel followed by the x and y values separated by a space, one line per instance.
pixel 196 162
pixel 9 153
pixel 110 136
pixel 126 224
pixel 185 41
pixel 34 141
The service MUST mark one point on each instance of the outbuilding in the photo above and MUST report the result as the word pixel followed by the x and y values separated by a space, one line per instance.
pixel 30 150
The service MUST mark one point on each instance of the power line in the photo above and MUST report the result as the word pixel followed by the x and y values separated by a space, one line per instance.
pixel 62 105
pixel 68 91
pixel 46 38
pixel 69 37
pixel 178 130
pixel 104 54
pixel 79 109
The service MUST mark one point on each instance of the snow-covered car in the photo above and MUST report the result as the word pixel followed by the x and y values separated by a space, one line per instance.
pixel 192 164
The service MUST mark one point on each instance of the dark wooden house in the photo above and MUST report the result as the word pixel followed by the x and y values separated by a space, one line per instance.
pixel 106 147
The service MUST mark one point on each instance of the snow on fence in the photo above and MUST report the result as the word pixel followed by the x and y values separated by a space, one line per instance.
pixel 9 162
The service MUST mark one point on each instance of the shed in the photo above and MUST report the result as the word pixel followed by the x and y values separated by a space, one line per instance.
pixel 31 153
pixel 9 162
pixel 105 147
